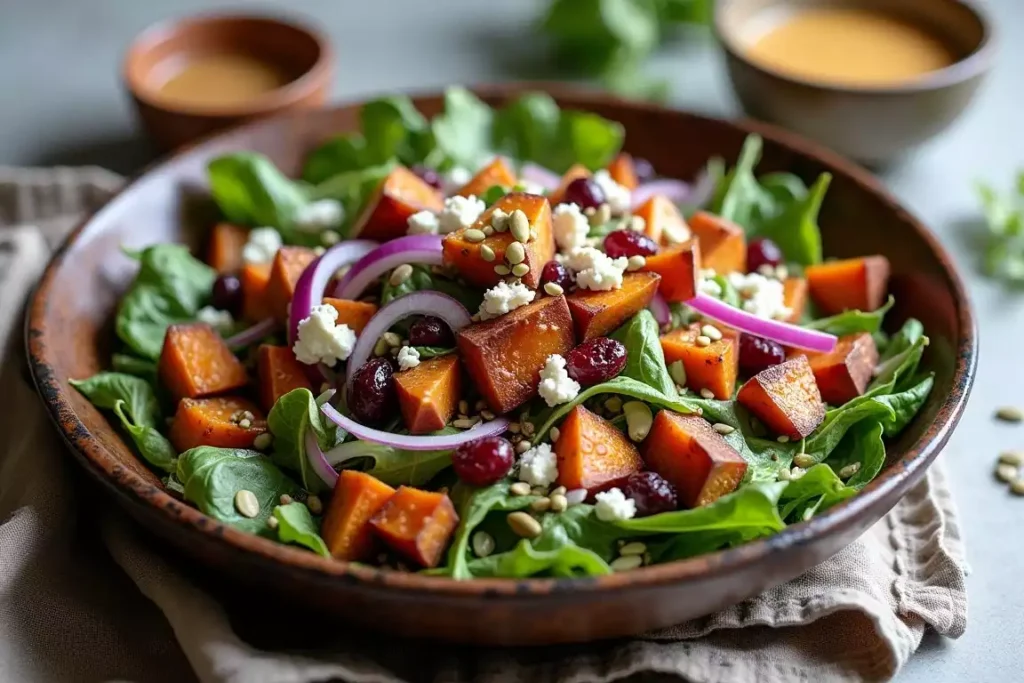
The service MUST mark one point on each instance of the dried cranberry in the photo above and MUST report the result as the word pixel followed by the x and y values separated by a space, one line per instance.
pixel 584 193
pixel 430 331
pixel 373 396
pixel 227 294
pixel 596 361
pixel 651 493
pixel 429 176
pixel 555 272
pixel 484 461
pixel 757 353
pixel 643 169
pixel 762 252
pixel 629 243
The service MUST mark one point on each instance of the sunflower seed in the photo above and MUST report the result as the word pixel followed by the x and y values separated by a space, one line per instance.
pixel 553 288
pixel 805 461
pixel 247 504
pixel 483 544
pixel 523 524
pixel 541 505
pixel 1015 458
pixel 723 428
pixel 400 274
pixel 1010 414
pixel 848 471
pixel 627 563
pixel 520 488
pixel 559 502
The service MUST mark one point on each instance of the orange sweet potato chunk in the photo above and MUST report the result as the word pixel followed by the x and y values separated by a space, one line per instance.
pixel 678 267
pixel 355 314
pixel 195 362
pixel 662 221
pixel 592 453
pixel 254 278
pixel 623 172
pixel 723 244
pixel 215 422
pixel 785 398
pixel 504 356
pixel 387 211
pixel 429 393
pixel 279 372
pixel 284 274
pixel 595 314
pixel 416 524
pixel 857 283
pixel 224 251
pixel 465 255
pixel 794 296
pixel 693 457
pixel 495 173
pixel 346 529
pixel 577 171
pixel 714 367
pixel 845 372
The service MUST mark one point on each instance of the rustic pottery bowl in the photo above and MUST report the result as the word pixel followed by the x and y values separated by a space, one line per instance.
pixel 69 335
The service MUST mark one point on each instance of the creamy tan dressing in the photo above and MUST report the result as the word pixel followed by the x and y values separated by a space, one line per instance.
pixel 222 79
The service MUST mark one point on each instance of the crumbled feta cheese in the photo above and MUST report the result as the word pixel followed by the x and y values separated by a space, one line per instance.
pixel 323 214
pixel 423 223
pixel 763 296
pixel 504 297
pixel 555 384
pixel 261 246
pixel 613 506
pixel 707 285
pixel 570 226
pixel 217 319
pixel 539 466
pixel 455 179
pixel 595 270
pixel 618 198
pixel 408 358
pixel 460 212
pixel 320 340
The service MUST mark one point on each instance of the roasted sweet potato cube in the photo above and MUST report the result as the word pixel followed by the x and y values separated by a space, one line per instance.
pixel 400 195
pixel 195 362
pixel 622 171
pixel 254 278
pixel 416 524
pixel 723 244
pixel 714 367
pixel 355 314
pixel 279 373
pixel 679 267
pixel 465 255
pixel 693 457
pixel 346 529
pixel 495 173
pixel 217 421
pixel 429 393
pixel 845 372
pixel 557 196
pixel 284 274
pixel 224 250
pixel 503 357
pixel 857 283
pixel 592 453
pixel 595 314
pixel 662 221
pixel 785 398
pixel 794 297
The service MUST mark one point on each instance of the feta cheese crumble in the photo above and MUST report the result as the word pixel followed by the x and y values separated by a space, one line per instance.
pixel 460 212
pixel 763 296
pixel 555 384
pixel 707 285
pixel 570 226
pixel 323 214
pixel 222 321
pixel 320 340
pixel 504 297
pixel 613 506
pixel 455 178
pixel 423 223
pixel 539 466
pixel 261 246
pixel 595 270
pixel 618 198
pixel 408 358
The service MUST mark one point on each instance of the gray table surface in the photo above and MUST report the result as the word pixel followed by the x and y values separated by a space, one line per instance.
pixel 61 103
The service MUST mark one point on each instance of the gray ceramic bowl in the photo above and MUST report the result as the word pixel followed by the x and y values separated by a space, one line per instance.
pixel 874 125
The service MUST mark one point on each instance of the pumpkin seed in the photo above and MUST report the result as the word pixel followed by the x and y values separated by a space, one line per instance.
pixel 520 488
pixel 783 439
pixel 502 269
pixel 330 237
pixel 627 563
pixel 499 220
pixel 522 447
pixel 1015 458
pixel 553 435
pixel 634 548
pixel 245 423
pixel 488 230
pixel 553 289
pixel 678 373
pixel 804 460
pixel 1006 473
pixel 515 253
pixel 541 505
pixel 263 441
pixel 848 471
pixel 1010 414
pixel 707 393
pixel 636 262
pixel 711 332
pixel 523 524
pixel 400 274
pixel 520 269
pixel 1017 487
pixel 381 348
pixel 315 505
pixel 559 502
pixel 723 428
pixel 638 419
pixel 474 235
pixel 272 522
pixel 703 340
pixel 247 504
pixel 576 496
pixel 393 340
pixel 483 544
pixel 637 224
pixel 486 253
pixel 519 226
pixel 613 404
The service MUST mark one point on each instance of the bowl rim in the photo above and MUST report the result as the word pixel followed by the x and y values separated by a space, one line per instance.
pixel 895 480
pixel 296 90
pixel 978 62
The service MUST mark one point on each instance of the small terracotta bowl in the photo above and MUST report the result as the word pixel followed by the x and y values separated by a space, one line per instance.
pixel 874 125
pixel 301 53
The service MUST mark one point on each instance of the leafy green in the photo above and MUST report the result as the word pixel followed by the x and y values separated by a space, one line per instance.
pixel 132 365
pixel 493 194
pixel 396 466
pixel 1004 216
pixel 527 127
pixel 434 351
pixel 568 560
pixel 353 189
pixel 422 278
pixel 862 444
pixel 905 404
pixel 473 506
pixel 852 322
pixel 296 525
pixel 291 416
pixel 817 490
pixel 463 131
pixel 645 359
pixel 795 228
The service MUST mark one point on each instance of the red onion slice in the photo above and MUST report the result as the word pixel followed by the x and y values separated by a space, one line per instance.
pixel 414 443
pixel 252 334
pixel 424 249
pixel 318 462
pixel 784 333
pixel 309 290
pixel 659 307
pixel 675 190
pixel 539 175
pixel 702 191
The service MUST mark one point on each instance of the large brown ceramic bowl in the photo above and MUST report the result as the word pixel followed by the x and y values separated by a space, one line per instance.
pixel 69 335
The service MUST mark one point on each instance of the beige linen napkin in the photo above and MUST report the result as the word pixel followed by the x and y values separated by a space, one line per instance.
pixel 73 572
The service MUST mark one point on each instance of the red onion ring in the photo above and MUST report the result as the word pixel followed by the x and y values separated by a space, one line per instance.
pixel 309 290
pixel 674 190
pixel 409 249
pixel 252 334
pixel 414 443
pixel 659 307
pixel 318 462
pixel 784 333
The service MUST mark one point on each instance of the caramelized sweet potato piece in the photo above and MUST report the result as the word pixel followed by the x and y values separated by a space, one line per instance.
pixel 387 211
pixel 662 221
pixel 495 173
pixel 284 274
pixel 215 422
pixel 465 255
pixel 693 457
pixel 254 278
pixel 595 314
pixel 714 367
pixel 794 296
pixel 558 194
pixel 844 373
pixel 195 362
pixel 678 267
pixel 224 251
pixel 785 398
pixel 429 392
pixel 279 373
pixel 723 244
pixel 346 529
pixel 592 453
pixel 857 283
pixel 623 172
pixel 504 356
pixel 416 524
pixel 355 314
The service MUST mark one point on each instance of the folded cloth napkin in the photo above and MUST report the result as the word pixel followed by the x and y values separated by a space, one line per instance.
pixel 85 596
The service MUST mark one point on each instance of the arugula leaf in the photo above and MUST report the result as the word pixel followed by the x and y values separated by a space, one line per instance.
pixel 795 229
pixel 1004 215
pixel 291 416
pixel 463 131
pixel 296 525
pixel 132 365
pixel 645 359
pixel 852 322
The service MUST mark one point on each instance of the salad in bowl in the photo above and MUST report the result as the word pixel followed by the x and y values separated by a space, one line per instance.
pixel 493 344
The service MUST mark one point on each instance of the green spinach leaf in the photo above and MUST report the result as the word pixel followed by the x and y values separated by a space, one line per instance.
pixel 434 351
pixel 289 419
pixel 463 131
pixel 862 444
pixel 133 365
pixel 645 359
pixel 474 505
pixel 795 229
pixel 296 525
pixel 1003 255
pixel 524 560
pixel 816 491
pixel 395 466
pixel 852 322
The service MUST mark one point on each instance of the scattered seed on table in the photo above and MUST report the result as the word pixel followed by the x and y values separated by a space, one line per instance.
pixel 626 563
pixel 848 471
pixel 634 548
pixel 520 488
pixel 1010 414
pixel 400 274
pixel 486 253
pixel 246 503
pixel 1006 473
pixel 805 461
pixel 723 428
pixel 1017 487
pixel 553 288
pixel 523 524
pixel 1015 458
pixel 483 544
